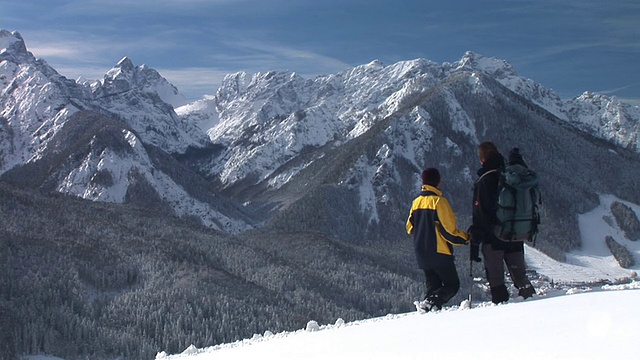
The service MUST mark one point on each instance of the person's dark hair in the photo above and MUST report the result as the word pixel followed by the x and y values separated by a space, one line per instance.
pixel 485 149
pixel 431 176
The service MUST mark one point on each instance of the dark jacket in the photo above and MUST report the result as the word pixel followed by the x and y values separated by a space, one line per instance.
pixel 433 225
pixel 485 204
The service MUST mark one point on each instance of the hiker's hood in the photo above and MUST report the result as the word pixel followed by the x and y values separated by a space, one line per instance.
pixel 520 176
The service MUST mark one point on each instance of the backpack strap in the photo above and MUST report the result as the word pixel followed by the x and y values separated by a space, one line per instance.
pixel 487 173
pixel 533 234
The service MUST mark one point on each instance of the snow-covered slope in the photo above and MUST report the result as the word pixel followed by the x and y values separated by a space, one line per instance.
pixel 593 325
pixel 201 112
pixel 593 261
pixel 145 101
pixel 98 158
pixel 35 101
pixel 266 119
pixel 607 118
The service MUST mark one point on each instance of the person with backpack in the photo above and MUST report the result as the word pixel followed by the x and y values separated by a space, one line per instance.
pixel 432 223
pixel 496 250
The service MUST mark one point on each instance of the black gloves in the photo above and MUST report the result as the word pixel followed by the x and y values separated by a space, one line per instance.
pixel 476 233
pixel 476 237
pixel 474 254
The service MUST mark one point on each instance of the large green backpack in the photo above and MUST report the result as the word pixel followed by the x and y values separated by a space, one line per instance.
pixel 519 200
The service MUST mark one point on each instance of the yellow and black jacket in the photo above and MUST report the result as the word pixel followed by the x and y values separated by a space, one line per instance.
pixel 433 225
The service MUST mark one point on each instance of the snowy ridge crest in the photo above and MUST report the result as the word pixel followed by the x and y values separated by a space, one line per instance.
pixel 290 113
pixel 607 118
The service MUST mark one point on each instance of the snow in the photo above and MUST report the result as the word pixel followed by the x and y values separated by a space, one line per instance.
pixel 281 179
pixel 202 112
pixel 594 227
pixel 367 190
pixel 607 117
pixel 593 261
pixel 5 42
pixel 7 39
pixel 80 182
pixel 594 325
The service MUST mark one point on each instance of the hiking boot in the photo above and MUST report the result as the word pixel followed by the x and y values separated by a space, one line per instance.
pixel 499 294
pixel 527 291
pixel 427 305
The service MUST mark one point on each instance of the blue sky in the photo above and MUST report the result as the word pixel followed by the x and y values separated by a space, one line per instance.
pixel 568 45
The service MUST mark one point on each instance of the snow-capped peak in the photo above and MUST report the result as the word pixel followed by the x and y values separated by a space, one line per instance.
pixel 125 63
pixel 13 48
pixel 11 41
pixel 125 76
pixel 472 61
pixel 375 64
pixel 124 68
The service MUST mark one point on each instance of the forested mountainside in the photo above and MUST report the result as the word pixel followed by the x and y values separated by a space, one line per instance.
pixel 101 280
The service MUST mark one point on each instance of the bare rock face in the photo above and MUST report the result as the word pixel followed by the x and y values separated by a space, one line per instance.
pixel 627 220
pixel 621 253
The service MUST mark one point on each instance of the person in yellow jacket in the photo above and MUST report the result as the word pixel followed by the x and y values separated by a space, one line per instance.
pixel 432 223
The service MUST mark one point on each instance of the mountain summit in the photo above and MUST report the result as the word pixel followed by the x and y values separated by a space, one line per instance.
pixel 125 76
pixel 11 44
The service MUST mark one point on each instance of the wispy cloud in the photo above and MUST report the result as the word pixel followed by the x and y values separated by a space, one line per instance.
pixel 193 82
pixel 611 91
pixel 253 50
pixel 69 47
pixel 74 46
pixel 171 7
pixel 196 42
pixel 544 54
pixel 75 71
pixel 76 54
pixel 271 54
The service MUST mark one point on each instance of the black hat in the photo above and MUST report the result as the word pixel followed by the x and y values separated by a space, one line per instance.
pixel 515 157
pixel 431 176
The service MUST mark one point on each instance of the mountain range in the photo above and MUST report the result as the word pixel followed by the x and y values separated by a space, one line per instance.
pixel 270 167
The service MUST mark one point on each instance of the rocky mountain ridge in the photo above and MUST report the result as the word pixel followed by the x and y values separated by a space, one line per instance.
pixel 38 105
pixel 263 131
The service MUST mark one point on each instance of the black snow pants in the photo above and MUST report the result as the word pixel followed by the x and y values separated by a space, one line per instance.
pixel 442 283
pixel 494 260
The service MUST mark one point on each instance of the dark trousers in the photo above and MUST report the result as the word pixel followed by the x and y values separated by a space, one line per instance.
pixel 442 283
pixel 494 260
